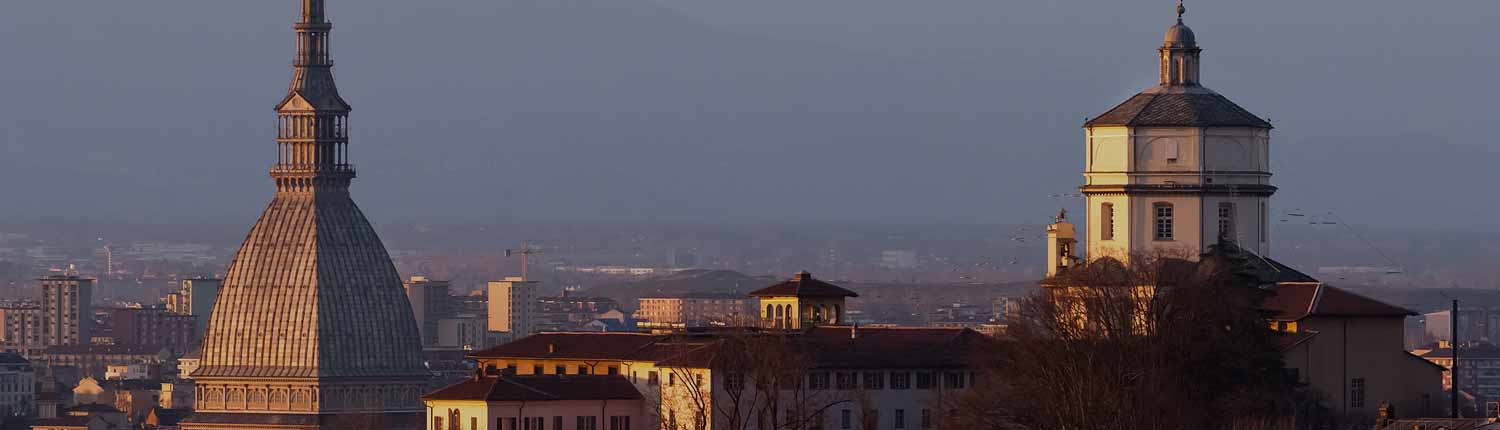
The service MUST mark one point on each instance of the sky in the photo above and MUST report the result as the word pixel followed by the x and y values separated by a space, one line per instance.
pixel 729 111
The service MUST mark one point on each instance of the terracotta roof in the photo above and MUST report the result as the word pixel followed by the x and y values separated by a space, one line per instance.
pixel 168 417
pixel 583 346
pixel 1178 106
pixel 93 408
pixel 355 421
pixel 1292 302
pixel 830 347
pixel 803 285
pixel 101 349
pixel 539 388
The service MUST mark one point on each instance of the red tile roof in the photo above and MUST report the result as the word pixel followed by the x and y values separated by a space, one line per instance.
pixel 578 346
pixel 1292 302
pixel 803 285
pixel 539 388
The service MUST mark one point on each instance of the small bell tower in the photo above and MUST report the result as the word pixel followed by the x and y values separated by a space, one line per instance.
pixel 1061 238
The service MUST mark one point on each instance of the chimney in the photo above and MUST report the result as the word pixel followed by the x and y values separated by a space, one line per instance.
pixel 802 276
pixel 551 348
pixel 854 331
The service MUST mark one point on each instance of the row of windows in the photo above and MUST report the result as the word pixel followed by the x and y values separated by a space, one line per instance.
pixel 1163 218
pixel 871 419
pixel 454 421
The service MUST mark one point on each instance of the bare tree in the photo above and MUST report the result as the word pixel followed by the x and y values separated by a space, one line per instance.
pixel 1159 343
pixel 747 379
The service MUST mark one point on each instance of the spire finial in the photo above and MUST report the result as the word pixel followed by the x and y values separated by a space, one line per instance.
pixel 1180 10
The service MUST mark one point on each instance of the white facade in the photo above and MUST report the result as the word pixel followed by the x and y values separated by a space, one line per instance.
pixel 1132 173
pixel 17 386
pixel 511 304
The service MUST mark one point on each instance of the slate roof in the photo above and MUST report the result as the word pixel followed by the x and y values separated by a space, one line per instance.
pixel 803 285
pixel 1292 302
pixel 1178 106
pixel 12 358
pixel 68 421
pixel 533 388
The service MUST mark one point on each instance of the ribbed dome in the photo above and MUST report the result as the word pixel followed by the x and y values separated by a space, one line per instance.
pixel 1180 36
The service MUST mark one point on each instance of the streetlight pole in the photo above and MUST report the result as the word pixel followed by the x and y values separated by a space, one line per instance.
pixel 1453 345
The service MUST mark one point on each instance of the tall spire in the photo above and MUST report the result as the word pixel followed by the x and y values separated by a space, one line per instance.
pixel 312 120
pixel 1179 53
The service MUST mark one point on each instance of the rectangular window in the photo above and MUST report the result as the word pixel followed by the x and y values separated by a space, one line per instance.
pixel 900 380
pixel 924 381
pixel 1163 212
pixel 874 380
pixel 900 418
pixel 588 423
pixel 557 422
pixel 619 423
pixel 671 379
pixel 844 380
pixel 1107 221
pixel 653 378
pixel 844 420
pixel 583 370
pixel 818 381
pixel 1357 393
pixel 1263 225
pixel 561 370
pixel 1173 152
pixel 510 424
pixel 953 380
pixel 473 423
pixel 635 377
pixel 536 370
pixel 614 370
pixel 926 419
pixel 1226 221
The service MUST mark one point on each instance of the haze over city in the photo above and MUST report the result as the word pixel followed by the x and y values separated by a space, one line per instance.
pixel 869 111
pixel 735 215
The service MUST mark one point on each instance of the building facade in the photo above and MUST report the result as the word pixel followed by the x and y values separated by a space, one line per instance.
pixel 67 310
pixel 154 327
pixel 535 402
pixel 694 311
pixel 1177 166
pixel 431 302
pixel 197 299
pixel 512 304
pixel 21 329
pixel 311 329
pixel 17 386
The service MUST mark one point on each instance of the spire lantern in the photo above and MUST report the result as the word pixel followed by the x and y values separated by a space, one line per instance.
pixel 313 120
pixel 1179 53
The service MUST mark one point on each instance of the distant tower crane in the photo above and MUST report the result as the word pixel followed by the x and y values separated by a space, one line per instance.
pixel 525 252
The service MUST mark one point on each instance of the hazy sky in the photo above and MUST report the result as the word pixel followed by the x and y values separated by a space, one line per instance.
pixel 731 110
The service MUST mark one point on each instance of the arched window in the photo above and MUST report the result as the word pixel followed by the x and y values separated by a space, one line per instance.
pixel 1107 221
pixel 1162 220
pixel 1226 221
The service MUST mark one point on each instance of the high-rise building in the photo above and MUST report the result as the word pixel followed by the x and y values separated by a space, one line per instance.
pixel 20 328
pixel 197 299
pixel 154 327
pixel 511 307
pixel 431 302
pixel 1176 167
pixel 67 310
pixel 311 329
